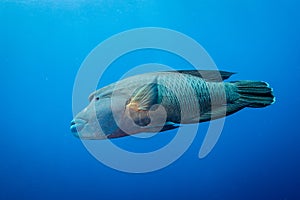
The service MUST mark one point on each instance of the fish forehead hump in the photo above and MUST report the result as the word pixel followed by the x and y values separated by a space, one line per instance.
pixel 127 85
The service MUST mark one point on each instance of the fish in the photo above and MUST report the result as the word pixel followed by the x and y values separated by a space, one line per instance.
pixel 165 100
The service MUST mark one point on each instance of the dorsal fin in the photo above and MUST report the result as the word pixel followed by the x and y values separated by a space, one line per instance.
pixel 208 75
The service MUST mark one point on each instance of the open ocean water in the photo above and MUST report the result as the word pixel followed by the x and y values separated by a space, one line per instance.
pixel 42 46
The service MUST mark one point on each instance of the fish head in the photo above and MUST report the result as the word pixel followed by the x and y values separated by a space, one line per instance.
pixel 114 113
pixel 96 121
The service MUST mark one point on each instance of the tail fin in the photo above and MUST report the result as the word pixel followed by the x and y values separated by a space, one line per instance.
pixel 255 94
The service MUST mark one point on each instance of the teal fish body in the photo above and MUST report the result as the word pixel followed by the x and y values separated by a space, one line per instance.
pixel 160 101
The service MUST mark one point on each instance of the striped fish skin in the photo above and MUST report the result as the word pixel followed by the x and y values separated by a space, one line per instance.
pixel 160 101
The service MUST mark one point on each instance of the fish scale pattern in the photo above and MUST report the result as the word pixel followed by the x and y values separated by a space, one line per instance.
pixel 185 97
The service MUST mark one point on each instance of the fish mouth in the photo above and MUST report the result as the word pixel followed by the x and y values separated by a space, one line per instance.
pixel 77 125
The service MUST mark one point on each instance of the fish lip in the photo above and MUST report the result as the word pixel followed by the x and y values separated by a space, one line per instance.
pixel 77 125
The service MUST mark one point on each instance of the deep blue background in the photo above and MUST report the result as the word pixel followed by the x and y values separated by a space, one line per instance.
pixel 43 44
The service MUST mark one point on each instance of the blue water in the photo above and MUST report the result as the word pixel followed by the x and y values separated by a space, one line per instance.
pixel 42 45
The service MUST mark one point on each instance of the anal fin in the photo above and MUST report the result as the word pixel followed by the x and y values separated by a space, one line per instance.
pixel 221 111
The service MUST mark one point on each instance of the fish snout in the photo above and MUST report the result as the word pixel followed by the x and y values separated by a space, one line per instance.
pixel 77 125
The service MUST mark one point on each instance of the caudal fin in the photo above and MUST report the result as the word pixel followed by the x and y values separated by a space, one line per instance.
pixel 255 94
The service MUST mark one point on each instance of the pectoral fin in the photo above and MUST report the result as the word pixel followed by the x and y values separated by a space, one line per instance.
pixel 140 103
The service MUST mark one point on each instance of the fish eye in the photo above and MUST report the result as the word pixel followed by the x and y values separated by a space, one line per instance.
pixel 97 98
